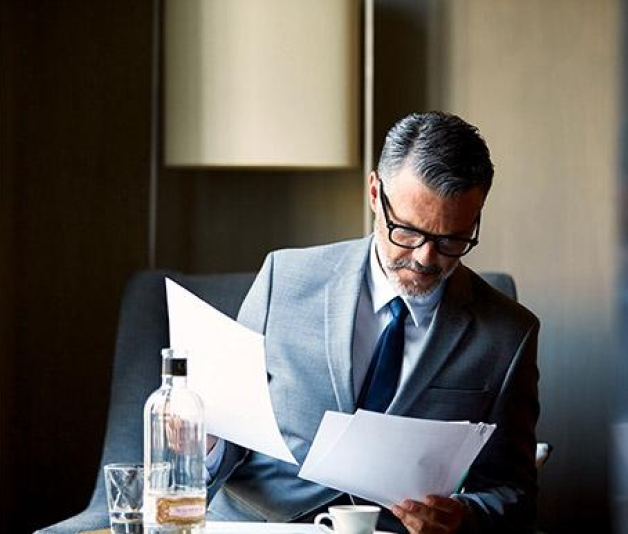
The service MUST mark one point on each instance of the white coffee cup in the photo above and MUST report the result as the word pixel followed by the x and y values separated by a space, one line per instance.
pixel 349 519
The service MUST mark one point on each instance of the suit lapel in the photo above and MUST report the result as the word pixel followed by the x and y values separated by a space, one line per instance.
pixel 451 320
pixel 341 301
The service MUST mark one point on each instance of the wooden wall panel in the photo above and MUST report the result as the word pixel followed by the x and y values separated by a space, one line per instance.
pixel 220 221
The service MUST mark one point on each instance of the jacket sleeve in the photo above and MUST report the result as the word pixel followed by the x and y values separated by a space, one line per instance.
pixel 252 314
pixel 501 488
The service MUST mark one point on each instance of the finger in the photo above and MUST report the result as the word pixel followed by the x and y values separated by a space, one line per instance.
pixel 416 517
pixel 411 506
pixel 422 517
pixel 410 520
pixel 174 431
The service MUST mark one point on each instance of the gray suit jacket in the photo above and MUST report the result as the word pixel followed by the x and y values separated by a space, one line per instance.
pixel 479 364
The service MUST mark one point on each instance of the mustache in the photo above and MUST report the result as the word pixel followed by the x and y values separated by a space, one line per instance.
pixel 414 266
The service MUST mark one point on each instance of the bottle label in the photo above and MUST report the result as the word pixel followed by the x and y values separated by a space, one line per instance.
pixel 181 511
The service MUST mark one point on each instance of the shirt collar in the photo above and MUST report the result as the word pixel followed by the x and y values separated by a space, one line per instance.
pixel 382 291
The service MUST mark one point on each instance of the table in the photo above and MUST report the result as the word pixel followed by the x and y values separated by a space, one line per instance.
pixel 245 527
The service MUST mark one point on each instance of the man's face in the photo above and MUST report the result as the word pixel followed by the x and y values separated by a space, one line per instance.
pixel 419 271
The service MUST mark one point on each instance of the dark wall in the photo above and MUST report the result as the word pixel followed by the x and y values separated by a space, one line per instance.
pixel 402 61
pixel 228 220
pixel 75 152
pixel 619 490
pixel 8 438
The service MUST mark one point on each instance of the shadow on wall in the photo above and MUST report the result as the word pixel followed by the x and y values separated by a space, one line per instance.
pixel 402 61
pixel 619 432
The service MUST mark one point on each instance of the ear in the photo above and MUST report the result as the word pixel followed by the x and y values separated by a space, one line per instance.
pixel 373 191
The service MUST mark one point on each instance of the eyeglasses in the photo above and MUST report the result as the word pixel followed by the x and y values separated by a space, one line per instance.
pixel 409 237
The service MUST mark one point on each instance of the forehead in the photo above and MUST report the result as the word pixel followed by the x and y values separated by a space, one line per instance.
pixel 416 204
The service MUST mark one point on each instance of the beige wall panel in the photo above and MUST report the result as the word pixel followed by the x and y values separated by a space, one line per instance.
pixel 540 78
pixel 272 83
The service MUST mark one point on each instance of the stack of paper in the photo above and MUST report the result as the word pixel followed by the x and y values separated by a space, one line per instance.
pixel 386 458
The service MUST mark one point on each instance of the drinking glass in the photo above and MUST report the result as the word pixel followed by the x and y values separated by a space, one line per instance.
pixel 124 484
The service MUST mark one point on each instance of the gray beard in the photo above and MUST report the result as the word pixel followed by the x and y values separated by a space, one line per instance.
pixel 411 288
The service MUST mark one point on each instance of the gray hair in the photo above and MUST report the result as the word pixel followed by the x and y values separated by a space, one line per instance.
pixel 446 153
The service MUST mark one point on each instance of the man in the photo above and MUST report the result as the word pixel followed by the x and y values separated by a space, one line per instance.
pixel 333 325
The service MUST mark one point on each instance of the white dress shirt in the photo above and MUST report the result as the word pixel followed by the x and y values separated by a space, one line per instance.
pixel 373 315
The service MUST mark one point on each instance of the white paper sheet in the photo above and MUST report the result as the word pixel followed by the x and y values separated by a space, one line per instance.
pixel 329 431
pixel 227 367
pixel 388 458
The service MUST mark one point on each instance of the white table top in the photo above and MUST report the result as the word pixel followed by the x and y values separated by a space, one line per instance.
pixel 250 527
pixel 247 527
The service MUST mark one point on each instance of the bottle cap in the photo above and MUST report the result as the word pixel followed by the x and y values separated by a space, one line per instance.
pixel 175 367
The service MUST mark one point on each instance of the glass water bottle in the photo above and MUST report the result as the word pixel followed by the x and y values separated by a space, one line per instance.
pixel 174 452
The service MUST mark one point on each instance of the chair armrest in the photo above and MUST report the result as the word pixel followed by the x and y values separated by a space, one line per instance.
pixel 87 520
pixel 543 452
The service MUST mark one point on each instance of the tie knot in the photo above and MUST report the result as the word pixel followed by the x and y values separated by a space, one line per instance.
pixel 398 308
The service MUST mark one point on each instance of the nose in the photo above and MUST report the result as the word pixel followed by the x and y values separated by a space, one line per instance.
pixel 426 254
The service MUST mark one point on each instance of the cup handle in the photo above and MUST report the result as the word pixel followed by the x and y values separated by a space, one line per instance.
pixel 322 517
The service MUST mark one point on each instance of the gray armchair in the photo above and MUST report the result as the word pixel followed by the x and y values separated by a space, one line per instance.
pixel 142 333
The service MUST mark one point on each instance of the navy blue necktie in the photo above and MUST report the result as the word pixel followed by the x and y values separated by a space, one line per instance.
pixel 382 376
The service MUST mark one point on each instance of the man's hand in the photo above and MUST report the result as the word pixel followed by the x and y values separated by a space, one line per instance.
pixel 180 434
pixel 436 515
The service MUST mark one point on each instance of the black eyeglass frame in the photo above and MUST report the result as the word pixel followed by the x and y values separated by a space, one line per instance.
pixel 427 236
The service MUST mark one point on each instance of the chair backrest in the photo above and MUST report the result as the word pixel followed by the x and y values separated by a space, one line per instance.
pixel 143 332
pixel 502 282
